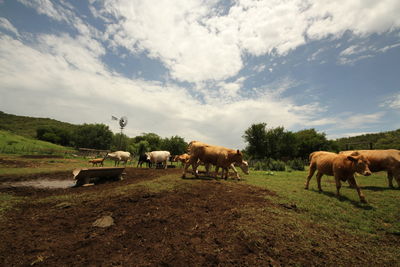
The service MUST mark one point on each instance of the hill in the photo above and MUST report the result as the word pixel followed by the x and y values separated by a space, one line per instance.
pixel 26 126
pixel 382 140
pixel 16 144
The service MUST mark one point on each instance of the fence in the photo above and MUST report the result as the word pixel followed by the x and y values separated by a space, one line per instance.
pixel 33 150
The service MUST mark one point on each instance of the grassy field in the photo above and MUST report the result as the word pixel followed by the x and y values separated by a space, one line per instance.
pixel 380 214
pixel 16 144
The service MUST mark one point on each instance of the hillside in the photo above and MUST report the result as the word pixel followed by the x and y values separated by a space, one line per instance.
pixel 382 140
pixel 12 143
pixel 26 126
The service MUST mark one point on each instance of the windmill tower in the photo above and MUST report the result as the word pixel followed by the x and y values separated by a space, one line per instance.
pixel 123 121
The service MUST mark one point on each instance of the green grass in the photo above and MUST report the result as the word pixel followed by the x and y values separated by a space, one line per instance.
pixel 381 213
pixel 16 144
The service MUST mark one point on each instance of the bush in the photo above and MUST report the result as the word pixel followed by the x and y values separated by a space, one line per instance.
pixel 296 164
pixel 268 164
pixel 277 165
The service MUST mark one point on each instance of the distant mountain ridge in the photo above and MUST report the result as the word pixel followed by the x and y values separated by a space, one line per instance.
pixel 27 126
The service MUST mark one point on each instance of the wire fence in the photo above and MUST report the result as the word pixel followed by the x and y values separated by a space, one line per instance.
pixel 7 149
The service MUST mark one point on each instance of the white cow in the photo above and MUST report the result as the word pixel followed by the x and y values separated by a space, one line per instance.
pixel 158 156
pixel 118 156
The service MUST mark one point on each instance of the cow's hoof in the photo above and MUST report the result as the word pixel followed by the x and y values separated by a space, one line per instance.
pixel 363 200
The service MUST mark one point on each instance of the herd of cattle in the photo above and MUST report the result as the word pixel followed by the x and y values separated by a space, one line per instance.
pixel 342 166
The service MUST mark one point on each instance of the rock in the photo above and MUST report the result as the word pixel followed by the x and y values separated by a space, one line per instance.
pixel 105 221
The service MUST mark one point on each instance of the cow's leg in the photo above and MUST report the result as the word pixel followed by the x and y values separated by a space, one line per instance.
pixel 165 163
pixel 319 175
pixel 311 171
pixel 226 172
pixel 192 162
pixel 353 183
pixel 390 179
pixel 396 175
pixel 235 171
pixel 338 184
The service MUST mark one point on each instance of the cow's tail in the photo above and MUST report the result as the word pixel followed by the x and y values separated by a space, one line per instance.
pixel 311 155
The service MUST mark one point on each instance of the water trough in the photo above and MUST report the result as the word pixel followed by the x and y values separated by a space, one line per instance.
pixel 94 175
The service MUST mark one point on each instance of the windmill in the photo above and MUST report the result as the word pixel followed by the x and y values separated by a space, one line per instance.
pixel 123 121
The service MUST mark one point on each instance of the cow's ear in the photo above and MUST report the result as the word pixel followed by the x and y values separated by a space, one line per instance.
pixel 351 158
pixel 238 151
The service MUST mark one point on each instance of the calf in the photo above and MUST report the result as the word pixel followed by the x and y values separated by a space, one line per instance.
pixel 382 160
pixel 143 159
pixel 244 166
pixel 340 166
pixel 182 158
pixel 97 161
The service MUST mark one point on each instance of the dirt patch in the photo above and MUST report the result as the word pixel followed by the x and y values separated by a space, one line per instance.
pixel 42 156
pixel 16 163
pixel 203 223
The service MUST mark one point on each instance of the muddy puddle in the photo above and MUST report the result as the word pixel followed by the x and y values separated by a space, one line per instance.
pixel 49 184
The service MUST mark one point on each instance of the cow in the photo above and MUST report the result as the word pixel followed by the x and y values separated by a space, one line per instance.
pixel 182 158
pixel 382 160
pixel 143 159
pixel 97 161
pixel 340 166
pixel 119 156
pixel 244 166
pixel 209 154
pixel 159 157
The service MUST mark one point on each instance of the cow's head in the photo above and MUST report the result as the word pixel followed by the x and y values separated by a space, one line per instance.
pixel 245 167
pixel 360 163
pixel 147 155
pixel 237 157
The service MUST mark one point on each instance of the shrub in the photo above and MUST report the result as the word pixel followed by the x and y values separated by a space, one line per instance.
pixel 296 164
pixel 277 165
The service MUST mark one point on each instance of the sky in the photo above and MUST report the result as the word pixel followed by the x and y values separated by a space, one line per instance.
pixel 204 70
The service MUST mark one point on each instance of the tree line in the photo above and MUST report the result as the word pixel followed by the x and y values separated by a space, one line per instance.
pixel 262 142
pixel 99 136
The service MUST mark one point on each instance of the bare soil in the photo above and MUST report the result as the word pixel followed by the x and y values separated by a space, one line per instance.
pixel 203 223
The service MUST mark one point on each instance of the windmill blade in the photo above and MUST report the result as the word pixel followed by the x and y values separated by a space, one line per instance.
pixel 123 121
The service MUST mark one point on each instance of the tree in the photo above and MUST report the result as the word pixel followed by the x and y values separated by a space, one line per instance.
pixel 120 142
pixel 176 145
pixel 309 140
pixel 96 136
pixel 56 135
pixel 255 137
pixel 280 144
pixel 152 139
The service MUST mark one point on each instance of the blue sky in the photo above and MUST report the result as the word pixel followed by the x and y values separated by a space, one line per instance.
pixel 204 70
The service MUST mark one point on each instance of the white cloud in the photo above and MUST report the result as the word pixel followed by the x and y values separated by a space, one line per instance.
pixel 197 42
pixel 46 7
pixel 61 76
pixel 393 102
pixel 6 25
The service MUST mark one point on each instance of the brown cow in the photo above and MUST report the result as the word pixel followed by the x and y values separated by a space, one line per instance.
pixel 208 154
pixel 383 160
pixel 182 158
pixel 97 161
pixel 340 166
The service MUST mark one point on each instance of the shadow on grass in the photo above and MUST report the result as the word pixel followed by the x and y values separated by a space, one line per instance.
pixel 201 178
pixel 376 188
pixel 357 204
